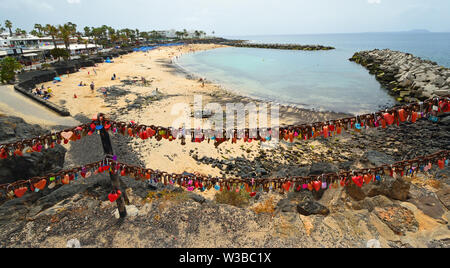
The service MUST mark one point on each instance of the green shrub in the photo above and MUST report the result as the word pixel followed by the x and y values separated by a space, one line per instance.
pixel 9 66
pixel 240 199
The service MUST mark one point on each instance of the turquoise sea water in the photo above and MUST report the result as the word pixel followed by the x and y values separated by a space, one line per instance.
pixel 323 80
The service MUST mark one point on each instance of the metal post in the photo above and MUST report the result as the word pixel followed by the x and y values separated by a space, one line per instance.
pixel 115 181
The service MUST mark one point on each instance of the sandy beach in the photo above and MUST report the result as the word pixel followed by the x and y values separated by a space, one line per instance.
pixel 175 86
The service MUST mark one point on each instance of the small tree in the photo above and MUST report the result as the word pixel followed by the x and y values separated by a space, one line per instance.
pixel 9 66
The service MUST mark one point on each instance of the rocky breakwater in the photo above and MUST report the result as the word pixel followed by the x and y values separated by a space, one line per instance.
pixel 407 77
pixel 280 46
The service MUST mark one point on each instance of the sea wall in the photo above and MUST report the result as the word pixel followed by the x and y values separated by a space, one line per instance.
pixel 407 77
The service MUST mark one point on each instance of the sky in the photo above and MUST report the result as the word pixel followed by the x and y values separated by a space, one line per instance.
pixel 235 17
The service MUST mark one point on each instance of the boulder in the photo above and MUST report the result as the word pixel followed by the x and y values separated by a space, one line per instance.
pixel 428 202
pixel 290 203
pixel 399 219
pixel 397 189
pixel 444 196
pixel 312 208
pixel 379 201
pixel 355 192
pixel 439 81
pixel 442 92
pixel 429 90
pixel 376 158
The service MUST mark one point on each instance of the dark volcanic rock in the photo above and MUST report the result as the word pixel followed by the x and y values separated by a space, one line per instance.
pixel 29 165
pixel 355 192
pixel 323 168
pixel 397 189
pixel 293 199
pixel 32 165
pixel 312 208
pixel 377 158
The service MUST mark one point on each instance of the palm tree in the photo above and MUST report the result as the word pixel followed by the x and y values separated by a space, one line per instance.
pixel 39 28
pixel 86 42
pixel 52 31
pixel 155 35
pixel 66 31
pixel 8 24
pixel 96 33
pixel 114 38
pixel 179 34
pixel 123 37
pixel 185 33
pixel 87 31
pixel 20 32
pixel 132 35
pixel 145 35
pixel 197 34
pixel 35 33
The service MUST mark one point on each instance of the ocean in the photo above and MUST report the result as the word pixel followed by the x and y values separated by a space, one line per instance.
pixel 318 80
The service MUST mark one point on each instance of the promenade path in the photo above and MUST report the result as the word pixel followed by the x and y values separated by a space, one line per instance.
pixel 13 103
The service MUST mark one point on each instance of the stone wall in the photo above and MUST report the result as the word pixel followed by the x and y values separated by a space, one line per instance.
pixel 407 77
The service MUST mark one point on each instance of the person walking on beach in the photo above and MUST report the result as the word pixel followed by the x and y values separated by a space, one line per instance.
pixel 104 91
pixel 92 87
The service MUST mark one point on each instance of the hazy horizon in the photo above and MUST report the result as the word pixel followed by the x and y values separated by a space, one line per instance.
pixel 236 17
pixel 404 32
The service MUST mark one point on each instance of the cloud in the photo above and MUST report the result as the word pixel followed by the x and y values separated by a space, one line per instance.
pixel 374 2
pixel 35 5
pixel 73 1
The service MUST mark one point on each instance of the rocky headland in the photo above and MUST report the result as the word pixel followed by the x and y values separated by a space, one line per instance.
pixel 407 77
pixel 402 212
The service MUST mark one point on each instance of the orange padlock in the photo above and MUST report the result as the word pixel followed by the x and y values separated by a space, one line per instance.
pixel 325 132
pixel 383 123
pixel 414 117
pixel 401 114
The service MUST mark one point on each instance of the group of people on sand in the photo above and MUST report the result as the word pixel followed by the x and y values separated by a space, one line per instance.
pixel 92 86
pixel 43 93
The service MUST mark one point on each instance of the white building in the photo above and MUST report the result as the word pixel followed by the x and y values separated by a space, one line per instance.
pixel 31 50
